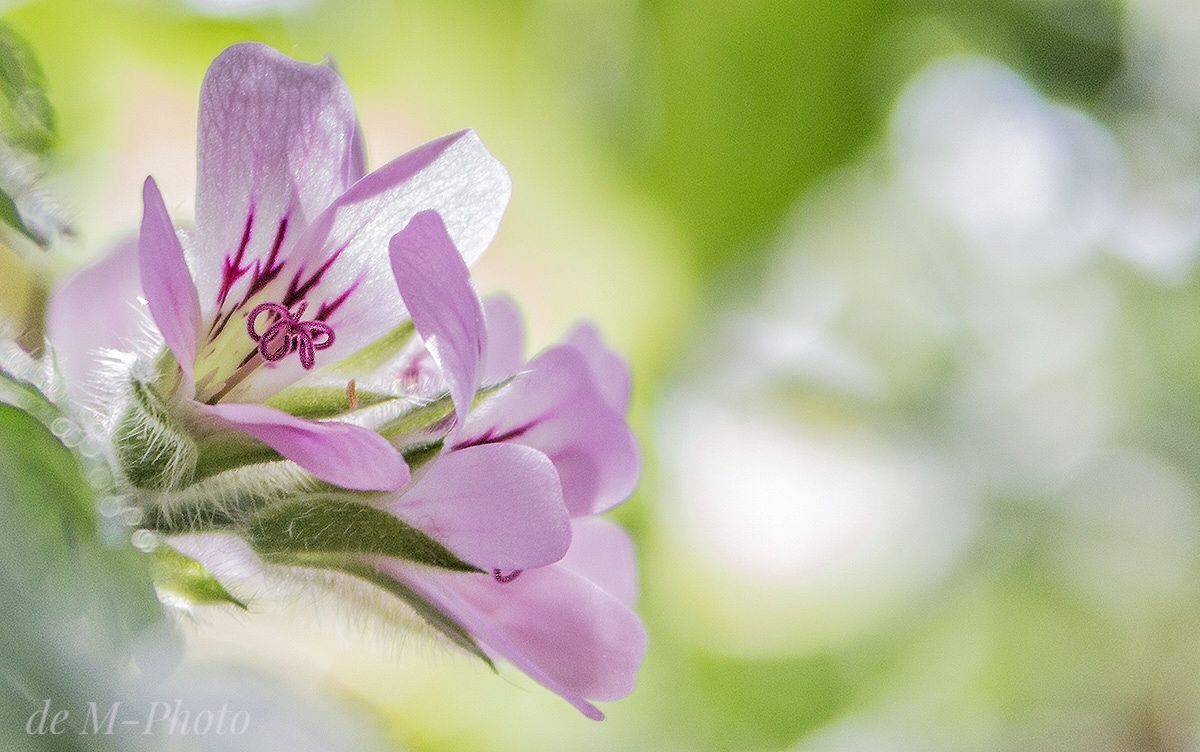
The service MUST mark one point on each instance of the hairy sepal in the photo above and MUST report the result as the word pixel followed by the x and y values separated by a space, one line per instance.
pixel 374 355
pixel 324 525
pixel 154 450
pixel 178 577
pixel 363 570
pixel 315 402
pixel 433 416
pixel 227 450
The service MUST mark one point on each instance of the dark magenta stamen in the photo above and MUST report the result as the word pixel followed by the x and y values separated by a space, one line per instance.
pixel 504 579
pixel 288 334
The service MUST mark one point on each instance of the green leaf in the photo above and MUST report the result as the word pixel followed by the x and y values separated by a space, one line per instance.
pixel 28 119
pixel 333 525
pixel 32 460
pixel 25 396
pixel 186 578
pixel 11 217
pixel 315 402
pixel 76 607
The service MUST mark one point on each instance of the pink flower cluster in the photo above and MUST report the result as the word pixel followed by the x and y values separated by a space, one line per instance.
pixel 304 272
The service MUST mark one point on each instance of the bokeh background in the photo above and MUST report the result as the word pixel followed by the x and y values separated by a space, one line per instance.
pixel 909 291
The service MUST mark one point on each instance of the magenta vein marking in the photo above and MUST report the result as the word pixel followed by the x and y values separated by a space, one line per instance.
pixel 489 438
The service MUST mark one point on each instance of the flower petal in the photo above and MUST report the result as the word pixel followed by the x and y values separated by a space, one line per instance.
pixel 277 143
pixel 167 282
pixel 94 309
pixel 505 339
pixel 555 406
pixel 339 264
pixel 228 557
pixel 436 287
pixel 495 506
pixel 559 628
pixel 602 552
pixel 340 453
pixel 609 370
pixel 356 165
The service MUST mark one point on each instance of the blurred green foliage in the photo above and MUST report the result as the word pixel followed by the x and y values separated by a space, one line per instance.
pixel 75 609
pixel 27 120
pixel 719 116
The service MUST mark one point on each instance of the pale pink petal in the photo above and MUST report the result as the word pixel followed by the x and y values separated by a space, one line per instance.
pixel 602 552
pixel 229 558
pixel 559 628
pixel 436 287
pixel 495 506
pixel 342 454
pixel 356 165
pixel 336 266
pixel 356 157
pixel 167 282
pixel 505 338
pixel 277 144
pixel 608 368
pixel 555 406
pixel 95 308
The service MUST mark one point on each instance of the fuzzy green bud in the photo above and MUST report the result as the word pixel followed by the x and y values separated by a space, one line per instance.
pixel 154 450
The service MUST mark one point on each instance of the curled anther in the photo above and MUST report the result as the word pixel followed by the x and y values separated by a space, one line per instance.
pixel 288 334
pixel 504 579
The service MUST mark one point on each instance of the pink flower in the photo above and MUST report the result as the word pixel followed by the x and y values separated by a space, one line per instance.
pixel 566 621
pixel 514 492
pixel 287 268
pixel 300 263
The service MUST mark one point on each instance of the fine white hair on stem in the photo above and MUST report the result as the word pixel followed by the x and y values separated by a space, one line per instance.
pixel 350 610
pixel 230 494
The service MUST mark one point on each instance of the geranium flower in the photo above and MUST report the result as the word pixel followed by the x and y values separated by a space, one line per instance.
pixel 514 492
pixel 287 268
pixel 569 626
pixel 568 622
pixel 304 276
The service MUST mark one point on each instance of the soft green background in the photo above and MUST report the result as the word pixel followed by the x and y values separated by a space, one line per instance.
pixel 664 155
